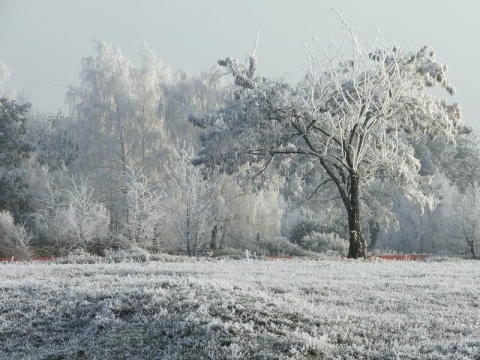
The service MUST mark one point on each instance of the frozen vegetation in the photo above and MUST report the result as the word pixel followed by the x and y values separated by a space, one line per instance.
pixel 359 156
pixel 188 308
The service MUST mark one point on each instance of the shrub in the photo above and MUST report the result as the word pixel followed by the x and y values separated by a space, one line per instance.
pixel 277 246
pixel 79 256
pixel 303 228
pixel 322 243
pixel 72 218
pixel 140 255
pixel 14 239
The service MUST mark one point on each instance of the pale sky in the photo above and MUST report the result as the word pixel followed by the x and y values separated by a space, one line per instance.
pixel 44 41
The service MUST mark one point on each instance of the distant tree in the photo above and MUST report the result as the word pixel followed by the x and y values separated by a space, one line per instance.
pixel 146 209
pixel 4 72
pixel 190 201
pixel 49 214
pixel 348 124
pixel 14 238
pixel 191 96
pixel 462 164
pixel 433 232
pixel 53 136
pixel 469 218
pixel 85 220
pixel 14 150
pixel 121 124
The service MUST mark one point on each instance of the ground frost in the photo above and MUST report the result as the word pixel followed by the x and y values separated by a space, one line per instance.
pixel 293 309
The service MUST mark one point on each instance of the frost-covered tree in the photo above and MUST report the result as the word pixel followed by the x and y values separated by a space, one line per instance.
pixel 49 202
pixel 53 136
pixel 190 201
pixel 14 151
pixel 469 218
pixel 85 220
pixel 4 72
pixel 240 215
pixel 146 207
pixel 191 96
pixel 434 232
pixel 121 124
pixel 14 238
pixel 346 125
pixel 461 165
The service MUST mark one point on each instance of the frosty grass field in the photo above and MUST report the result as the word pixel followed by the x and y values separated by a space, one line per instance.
pixel 179 308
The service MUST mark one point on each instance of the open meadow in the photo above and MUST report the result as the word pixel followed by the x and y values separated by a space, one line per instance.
pixel 181 308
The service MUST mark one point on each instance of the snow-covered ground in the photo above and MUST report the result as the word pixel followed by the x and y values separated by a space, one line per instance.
pixel 239 309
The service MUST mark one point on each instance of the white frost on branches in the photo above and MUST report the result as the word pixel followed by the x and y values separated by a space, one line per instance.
pixel 14 238
pixel 348 124
pixel 469 218
pixel 86 220
pixel 191 201
pixel 146 209
pixel 4 72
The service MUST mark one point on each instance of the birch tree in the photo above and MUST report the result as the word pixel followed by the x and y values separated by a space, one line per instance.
pixel 346 125
pixel 121 124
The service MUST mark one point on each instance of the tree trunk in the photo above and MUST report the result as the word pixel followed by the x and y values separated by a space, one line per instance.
pixel 469 241
pixel 213 239
pixel 374 235
pixel 472 250
pixel 224 229
pixel 357 242
pixel 187 232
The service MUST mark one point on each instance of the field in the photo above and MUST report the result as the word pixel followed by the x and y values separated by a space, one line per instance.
pixel 179 308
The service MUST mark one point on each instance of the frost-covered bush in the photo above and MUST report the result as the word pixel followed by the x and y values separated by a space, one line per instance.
pixel 134 254
pixel 71 218
pixel 6 224
pixel 228 251
pixel 14 239
pixel 140 255
pixel 118 242
pixel 303 228
pixel 277 246
pixel 79 256
pixel 320 242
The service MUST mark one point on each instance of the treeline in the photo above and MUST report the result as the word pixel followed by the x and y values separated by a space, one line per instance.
pixel 121 171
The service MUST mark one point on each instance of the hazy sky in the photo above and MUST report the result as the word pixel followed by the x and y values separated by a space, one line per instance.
pixel 43 41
